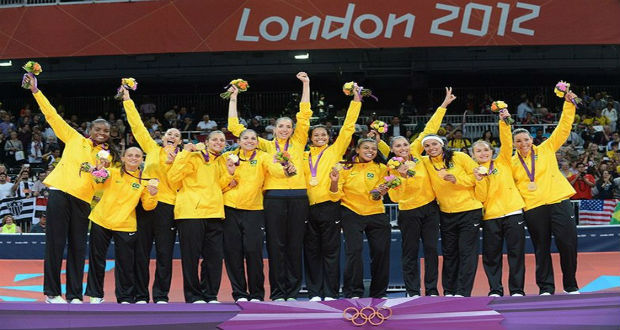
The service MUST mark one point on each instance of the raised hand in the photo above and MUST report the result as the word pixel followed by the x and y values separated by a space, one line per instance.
pixel 189 147
pixel 449 98
pixel 31 79
pixel 372 134
pixel 303 77
pixel 334 175
pixel 152 190
pixel 126 96
pixel 503 114
pixel 233 90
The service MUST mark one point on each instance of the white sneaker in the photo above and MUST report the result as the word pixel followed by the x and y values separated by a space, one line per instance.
pixel 494 295
pixel 55 300
pixel 95 300
pixel 161 302
pixel 255 300
pixel 384 297
pixel 356 297
pixel 329 299
pixel 449 295
pixel 242 300
pixel 315 298
pixel 433 295
pixel 545 294
pixel 291 299
pixel 75 301
pixel 574 292
pixel 280 299
pixel 516 295
pixel 141 302
pixel 214 301
pixel 125 302
pixel 199 302
pixel 412 296
pixel 458 295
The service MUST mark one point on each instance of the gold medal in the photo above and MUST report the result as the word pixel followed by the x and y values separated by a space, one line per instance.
pixel 442 173
pixel 532 186
pixel 314 181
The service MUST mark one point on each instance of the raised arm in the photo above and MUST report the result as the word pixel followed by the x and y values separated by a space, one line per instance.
pixel 234 126
pixel 565 125
pixel 300 136
pixel 348 127
pixel 433 124
pixel 62 130
pixel 138 129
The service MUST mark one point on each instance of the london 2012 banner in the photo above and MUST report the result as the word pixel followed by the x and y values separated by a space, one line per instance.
pixel 176 26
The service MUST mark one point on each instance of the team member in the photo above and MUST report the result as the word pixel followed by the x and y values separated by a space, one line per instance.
pixel 243 206
pixel 418 213
pixel 503 214
pixel 157 224
pixel 200 176
pixel 547 208
pixel 285 199
pixel 322 238
pixel 69 200
pixel 361 213
pixel 114 217
pixel 451 175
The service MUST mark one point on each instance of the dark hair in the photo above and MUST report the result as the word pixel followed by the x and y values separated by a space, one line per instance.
pixel 447 156
pixel 350 157
pixel 245 131
pixel 520 131
pixel 320 126
pixel 113 148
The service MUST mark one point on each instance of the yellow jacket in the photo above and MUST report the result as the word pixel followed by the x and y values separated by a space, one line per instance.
pixel 200 185
pixel 155 164
pixel 250 176
pixel 355 184
pixel 121 193
pixel 552 186
pixel 416 191
pixel 78 149
pixel 497 191
pixel 459 196
pixel 331 155
pixel 297 145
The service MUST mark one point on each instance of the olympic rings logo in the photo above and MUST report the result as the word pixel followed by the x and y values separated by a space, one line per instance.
pixel 368 314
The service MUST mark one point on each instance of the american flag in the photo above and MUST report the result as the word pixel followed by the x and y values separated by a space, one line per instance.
pixel 596 211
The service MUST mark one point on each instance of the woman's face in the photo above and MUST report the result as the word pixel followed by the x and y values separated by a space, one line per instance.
pixel 433 148
pixel 606 175
pixel 487 135
pixel 172 137
pixel 319 137
pixel 248 141
pixel 8 220
pixel 523 142
pixel 216 142
pixel 400 147
pixel 100 132
pixel 13 135
pixel 367 151
pixel 482 153
pixel 132 158
pixel 284 129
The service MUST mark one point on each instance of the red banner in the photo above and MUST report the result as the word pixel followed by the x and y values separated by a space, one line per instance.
pixel 171 26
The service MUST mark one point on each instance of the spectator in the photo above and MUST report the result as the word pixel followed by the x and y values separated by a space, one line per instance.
pixel 529 119
pixel 582 182
pixel 539 137
pixel 148 108
pixel 524 107
pixel 615 137
pixel 458 141
pixel 38 188
pixel 565 169
pixel 395 129
pixel 614 149
pixel 5 187
pixel 9 226
pixel 206 124
pixel 39 227
pixel 255 125
pixel 611 114
pixel 188 124
pixel 407 108
pixel 36 150
pixel 269 128
pixel 546 116
pixel 598 102
pixel 6 126
pixel 488 137
pixel 14 150
pixel 599 119
pixel 22 187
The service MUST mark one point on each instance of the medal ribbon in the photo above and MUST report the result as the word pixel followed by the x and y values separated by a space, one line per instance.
pixel 206 155
pixel 531 174
pixel 246 160
pixel 491 167
pixel 314 167
pixel 278 145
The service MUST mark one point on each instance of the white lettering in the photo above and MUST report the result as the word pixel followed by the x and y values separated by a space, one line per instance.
pixel 503 18
pixel 262 29
pixel 516 24
pixel 342 31
pixel 298 24
pixel 241 30
pixel 357 26
pixel 485 19
pixel 393 21
pixel 454 13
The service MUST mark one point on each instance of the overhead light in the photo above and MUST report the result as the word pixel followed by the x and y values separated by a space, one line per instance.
pixel 6 63
pixel 302 56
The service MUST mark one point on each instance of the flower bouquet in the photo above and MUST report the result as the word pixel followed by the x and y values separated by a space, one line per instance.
pixel 234 158
pixel 100 176
pixel 283 157
pixel 498 106
pixel 349 88
pixel 561 88
pixel 33 69
pixel 103 155
pixel 127 83
pixel 153 182
pixel 395 162
pixel 391 181
pixel 379 126
pixel 241 85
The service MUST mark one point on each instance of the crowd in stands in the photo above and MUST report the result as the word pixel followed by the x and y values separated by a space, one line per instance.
pixel 590 159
